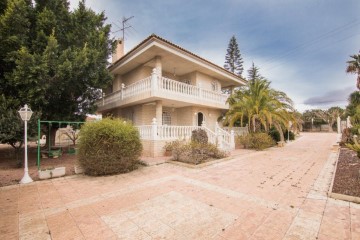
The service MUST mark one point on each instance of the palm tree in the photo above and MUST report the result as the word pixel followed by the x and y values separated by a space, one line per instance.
pixel 261 106
pixel 354 67
pixel 353 109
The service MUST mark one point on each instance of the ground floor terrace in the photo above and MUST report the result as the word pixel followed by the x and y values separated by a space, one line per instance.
pixel 280 193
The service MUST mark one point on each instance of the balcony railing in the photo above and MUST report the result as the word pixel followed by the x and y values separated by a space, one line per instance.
pixel 219 137
pixel 164 87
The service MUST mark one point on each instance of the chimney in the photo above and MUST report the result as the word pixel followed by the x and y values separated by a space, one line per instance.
pixel 119 51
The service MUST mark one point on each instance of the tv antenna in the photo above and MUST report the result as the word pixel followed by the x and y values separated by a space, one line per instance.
pixel 125 26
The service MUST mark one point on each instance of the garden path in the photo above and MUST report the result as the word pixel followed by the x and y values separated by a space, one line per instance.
pixel 280 193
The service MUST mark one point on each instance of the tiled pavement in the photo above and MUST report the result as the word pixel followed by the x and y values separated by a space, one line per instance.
pixel 280 193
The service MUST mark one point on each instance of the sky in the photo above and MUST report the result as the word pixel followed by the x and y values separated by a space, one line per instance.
pixel 301 46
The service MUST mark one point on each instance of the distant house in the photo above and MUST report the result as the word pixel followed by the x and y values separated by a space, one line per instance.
pixel 167 92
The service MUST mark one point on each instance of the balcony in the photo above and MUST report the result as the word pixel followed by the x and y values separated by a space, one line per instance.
pixel 160 88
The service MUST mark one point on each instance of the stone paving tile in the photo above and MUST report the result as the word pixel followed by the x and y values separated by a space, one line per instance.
pixel 280 193
pixel 33 226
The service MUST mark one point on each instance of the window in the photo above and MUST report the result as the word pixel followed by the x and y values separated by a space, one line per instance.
pixel 214 86
pixel 166 118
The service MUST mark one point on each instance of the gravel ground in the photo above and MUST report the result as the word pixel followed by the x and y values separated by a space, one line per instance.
pixel 347 177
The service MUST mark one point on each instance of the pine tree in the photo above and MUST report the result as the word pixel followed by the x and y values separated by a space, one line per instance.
pixel 233 59
pixel 253 73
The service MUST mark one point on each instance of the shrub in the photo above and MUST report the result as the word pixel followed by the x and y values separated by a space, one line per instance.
pixel 276 135
pixel 196 153
pixel 291 135
pixel 200 136
pixel 355 147
pixel 257 141
pixel 109 146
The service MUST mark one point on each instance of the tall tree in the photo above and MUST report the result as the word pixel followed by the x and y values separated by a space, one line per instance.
pixel 353 108
pixel 52 58
pixel 233 59
pixel 354 67
pixel 260 105
pixel 253 73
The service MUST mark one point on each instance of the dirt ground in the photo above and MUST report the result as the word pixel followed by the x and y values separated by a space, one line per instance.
pixel 347 176
pixel 11 174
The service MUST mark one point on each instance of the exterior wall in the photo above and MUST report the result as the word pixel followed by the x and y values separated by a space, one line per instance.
pixel 117 83
pixel 149 112
pixel 210 116
pixel 153 148
pixel 185 116
pixel 170 75
pixel 204 81
pixel 136 74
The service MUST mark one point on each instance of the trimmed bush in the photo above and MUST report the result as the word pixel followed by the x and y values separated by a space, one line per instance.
pixel 109 146
pixel 196 153
pixel 274 134
pixel 199 136
pixel 257 141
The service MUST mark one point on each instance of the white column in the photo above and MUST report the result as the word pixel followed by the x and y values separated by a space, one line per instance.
pixel 122 91
pixel 348 123
pixel 158 66
pixel 232 139
pixel 159 112
pixel 154 82
pixel 154 129
pixel 338 125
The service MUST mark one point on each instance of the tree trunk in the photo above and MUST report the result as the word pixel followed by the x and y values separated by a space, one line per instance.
pixel 330 126
pixel 281 133
pixel 254 124
pixel 51 140
pixel 358 81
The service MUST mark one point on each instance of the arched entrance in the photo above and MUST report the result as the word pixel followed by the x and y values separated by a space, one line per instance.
pixel 200 118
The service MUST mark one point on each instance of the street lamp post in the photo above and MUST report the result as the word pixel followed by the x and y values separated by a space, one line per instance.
pixel 25 114
pixel 312 123
pixel 290 125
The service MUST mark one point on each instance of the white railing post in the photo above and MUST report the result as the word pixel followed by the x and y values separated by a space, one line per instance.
pixel 232 139
pixel 154 129
pixel 122 90
pixel 218 136
pixel 154 78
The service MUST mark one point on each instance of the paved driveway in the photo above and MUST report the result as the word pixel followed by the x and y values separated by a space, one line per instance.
pixel 275 194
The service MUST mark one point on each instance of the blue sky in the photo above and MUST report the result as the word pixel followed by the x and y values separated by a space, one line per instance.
pixel 301 46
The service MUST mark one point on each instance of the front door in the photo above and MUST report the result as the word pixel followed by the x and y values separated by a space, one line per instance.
pixel 200 116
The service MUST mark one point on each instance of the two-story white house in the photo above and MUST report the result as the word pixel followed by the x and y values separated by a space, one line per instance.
pixel 167 91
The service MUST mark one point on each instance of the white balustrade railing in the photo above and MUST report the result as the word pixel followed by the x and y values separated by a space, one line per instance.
pixel 162 84
pixel 113 97
pixel 224 134
pixel 175 132
pixel 220 138
pixel 211 135
pixel 144 131
pixel 137 88
pixel 167 84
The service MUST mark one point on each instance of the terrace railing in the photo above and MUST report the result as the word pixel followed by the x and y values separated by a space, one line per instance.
pixel 221 138
pixel 164 87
